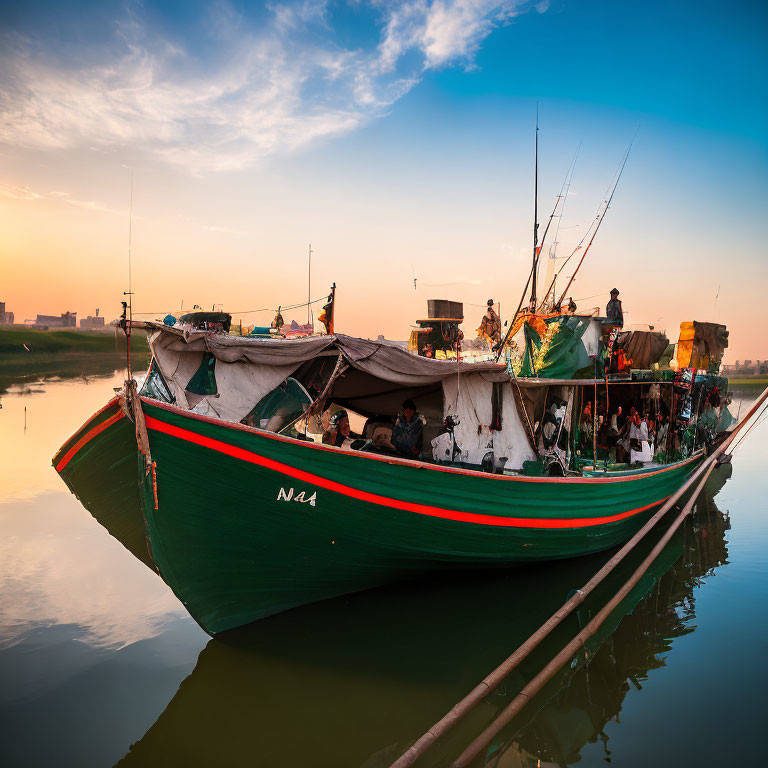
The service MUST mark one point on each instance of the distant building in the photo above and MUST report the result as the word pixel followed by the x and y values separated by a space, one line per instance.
pixel 95 323
pixel 6 318
pixel 66 320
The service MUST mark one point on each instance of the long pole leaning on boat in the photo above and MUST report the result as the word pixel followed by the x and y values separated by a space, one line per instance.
pixel 492 681
pixel 600 219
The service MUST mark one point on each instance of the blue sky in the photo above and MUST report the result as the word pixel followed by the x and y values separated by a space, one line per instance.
pixel 399 130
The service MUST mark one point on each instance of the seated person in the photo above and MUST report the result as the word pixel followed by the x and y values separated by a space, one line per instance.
pixel 407 435
pixel 587 428
pixel 338 429
pixel 408 432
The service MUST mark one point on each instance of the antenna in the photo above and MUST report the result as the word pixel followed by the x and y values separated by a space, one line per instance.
pixel 535 212
pixel 129 292
pixel 309 285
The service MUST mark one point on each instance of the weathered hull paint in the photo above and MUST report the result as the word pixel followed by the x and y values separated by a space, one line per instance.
pixel 249 524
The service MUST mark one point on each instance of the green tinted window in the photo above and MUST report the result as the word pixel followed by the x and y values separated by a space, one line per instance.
pixel 155 386
pixel 204 380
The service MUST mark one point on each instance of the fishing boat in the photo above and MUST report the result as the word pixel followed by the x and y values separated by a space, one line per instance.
pixel 246 512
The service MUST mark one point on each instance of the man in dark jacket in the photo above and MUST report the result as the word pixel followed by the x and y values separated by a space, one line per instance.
pixel 614 311
pixel 408 432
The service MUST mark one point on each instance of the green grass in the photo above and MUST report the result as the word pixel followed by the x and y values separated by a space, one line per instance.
pixel 38 342
pixel 749 380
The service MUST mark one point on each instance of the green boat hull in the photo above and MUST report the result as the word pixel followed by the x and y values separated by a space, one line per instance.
pixel 243 524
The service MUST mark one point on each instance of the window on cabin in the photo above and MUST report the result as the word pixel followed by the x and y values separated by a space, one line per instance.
pixel 204 380
pixel 155 386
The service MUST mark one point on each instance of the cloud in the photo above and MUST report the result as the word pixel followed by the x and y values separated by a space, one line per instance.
pixel 224 230
pixel 26 194
pixel 240 90
pixel 18 192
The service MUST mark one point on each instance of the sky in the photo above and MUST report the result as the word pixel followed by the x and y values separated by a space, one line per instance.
pixel 219 139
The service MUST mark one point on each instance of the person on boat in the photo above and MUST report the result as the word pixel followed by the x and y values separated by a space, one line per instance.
pixel 587 426
pixel 490 325
pixel 619 426
pixel 408 432
pixel 338 429
pixel 662 431
pixel 613 311
pixel 638 437
pixel 278 322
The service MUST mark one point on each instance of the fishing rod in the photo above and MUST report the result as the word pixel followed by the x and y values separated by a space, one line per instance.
pixel 599 221
pixel 570 256
pixel 532 273
pixel 585 236
pixel 564 190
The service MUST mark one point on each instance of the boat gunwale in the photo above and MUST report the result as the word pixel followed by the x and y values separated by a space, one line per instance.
pixel 114 400
pixel 411 462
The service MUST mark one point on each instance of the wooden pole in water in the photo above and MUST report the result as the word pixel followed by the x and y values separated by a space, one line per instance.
pixel 546 674
pixel 492 681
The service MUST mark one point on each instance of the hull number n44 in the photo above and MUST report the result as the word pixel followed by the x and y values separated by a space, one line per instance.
pixel 301 496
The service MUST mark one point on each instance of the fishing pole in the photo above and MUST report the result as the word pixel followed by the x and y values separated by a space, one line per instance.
pixel 600 218
pixel 564 189
pixel 531 274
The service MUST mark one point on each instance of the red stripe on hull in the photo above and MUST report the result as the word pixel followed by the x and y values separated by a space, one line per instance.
pixel 87 437
pixel 405 462
pixel 354 493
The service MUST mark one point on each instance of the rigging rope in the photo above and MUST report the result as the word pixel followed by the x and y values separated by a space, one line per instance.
pixel 248 311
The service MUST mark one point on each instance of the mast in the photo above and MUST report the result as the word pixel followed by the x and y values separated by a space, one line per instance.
pixel 535 213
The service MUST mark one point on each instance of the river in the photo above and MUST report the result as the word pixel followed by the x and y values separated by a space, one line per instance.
pixel 101 665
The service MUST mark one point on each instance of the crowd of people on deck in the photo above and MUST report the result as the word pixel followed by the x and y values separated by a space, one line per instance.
pixel 624 437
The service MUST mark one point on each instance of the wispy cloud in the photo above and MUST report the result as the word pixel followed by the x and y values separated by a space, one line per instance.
pixel 24 193
pixel 260 88
pixel 224 230
pixel 18 192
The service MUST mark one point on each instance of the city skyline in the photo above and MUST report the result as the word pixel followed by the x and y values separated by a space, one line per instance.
pixel 396 138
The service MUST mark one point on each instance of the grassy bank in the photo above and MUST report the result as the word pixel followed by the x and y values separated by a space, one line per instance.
pixel 29 354
pixel 38 342
pixel 751 380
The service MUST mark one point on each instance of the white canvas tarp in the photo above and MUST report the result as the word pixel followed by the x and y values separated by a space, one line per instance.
pixel 469 397
pixel 240 384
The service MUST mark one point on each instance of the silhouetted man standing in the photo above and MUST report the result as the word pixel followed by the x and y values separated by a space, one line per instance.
pixel 614 311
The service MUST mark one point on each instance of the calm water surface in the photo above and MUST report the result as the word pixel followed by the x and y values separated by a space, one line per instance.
pixel 101 665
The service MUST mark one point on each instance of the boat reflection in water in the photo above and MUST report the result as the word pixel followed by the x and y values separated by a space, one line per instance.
pixel 353 681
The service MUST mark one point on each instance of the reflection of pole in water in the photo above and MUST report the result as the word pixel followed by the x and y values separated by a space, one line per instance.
pixel 25 419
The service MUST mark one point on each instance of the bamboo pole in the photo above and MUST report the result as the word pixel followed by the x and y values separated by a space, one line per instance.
pixel 546 674
pixel 492 681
